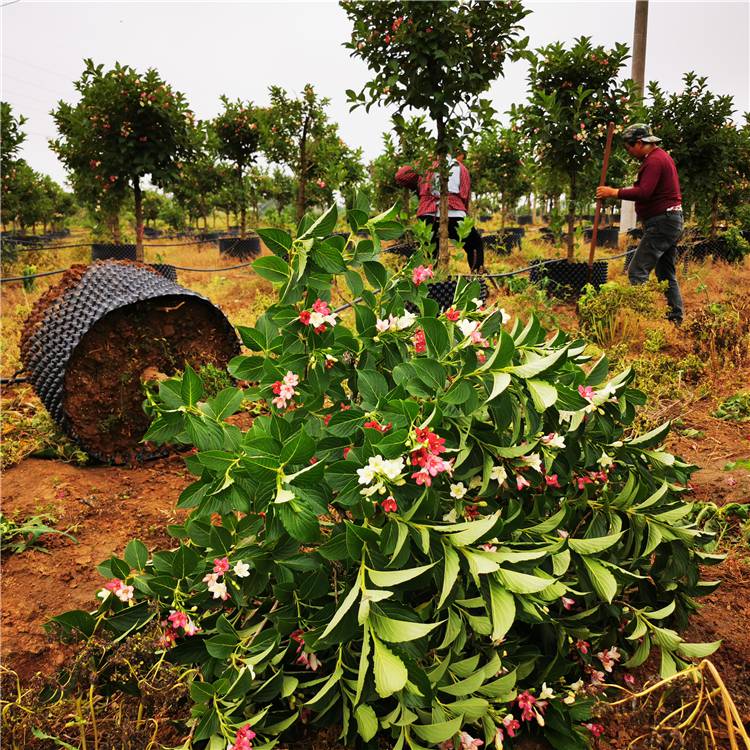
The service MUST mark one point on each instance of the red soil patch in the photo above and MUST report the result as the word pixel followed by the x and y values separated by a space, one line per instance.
pixel 103 508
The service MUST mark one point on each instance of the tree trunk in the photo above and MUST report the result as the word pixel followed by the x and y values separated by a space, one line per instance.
pixel 138 200
pixel 571 217
pixel 445 253
pixel 532 209
pixel 243 207
pixel 302 177
pixel 714 215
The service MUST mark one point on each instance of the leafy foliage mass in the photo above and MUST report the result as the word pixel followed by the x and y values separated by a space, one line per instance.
pixel 439 523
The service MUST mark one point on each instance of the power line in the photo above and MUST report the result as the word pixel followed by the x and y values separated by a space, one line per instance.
pixel 39 67
pixel 30 83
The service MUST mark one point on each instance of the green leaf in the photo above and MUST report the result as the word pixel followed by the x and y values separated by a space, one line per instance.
pixel 640 654
pixel 388 578
pixel 660 614
pixel 471 532
pixel 299 520
pixel 697 650
pixel 399 631
pixel 438 732
pixel 191 390
pixel 372 386
pixel 651 438
pixel 184 562
pixel 450 573
pixel 274 269
pixel 225 403
pixel 367 722
pixel 436 336
pixel 534 367
pixel 323 225
pixel 543 394
pixel 603 581
pixel 276 240
pixel 521 583
pixel 346 605
pixel 390 672
pixel 503 610
pixel 136 554
pixel 500 381
pixel 222 645
pixel 594 544
pixel 78 620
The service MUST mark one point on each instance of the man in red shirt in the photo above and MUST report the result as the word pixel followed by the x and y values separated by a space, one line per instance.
pixel 658 204
pixel 459 195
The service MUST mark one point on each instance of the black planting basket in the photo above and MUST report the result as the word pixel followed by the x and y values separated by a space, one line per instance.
pixel 404 249
pixel 568 279
pixel 103 288
pixel 152 232
pixel 240 247
pixel 166 270
pixel 524 219
pixel 110 251
pixel 605 236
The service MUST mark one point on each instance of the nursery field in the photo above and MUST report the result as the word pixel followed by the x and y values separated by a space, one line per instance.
pixel 697 376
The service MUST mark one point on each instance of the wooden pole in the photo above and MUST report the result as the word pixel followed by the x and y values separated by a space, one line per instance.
pixel 602 181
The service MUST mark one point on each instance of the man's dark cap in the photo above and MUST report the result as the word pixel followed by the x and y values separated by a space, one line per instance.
pixel 639 131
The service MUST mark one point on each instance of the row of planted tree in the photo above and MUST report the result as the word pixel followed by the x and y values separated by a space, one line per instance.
pixel 129 128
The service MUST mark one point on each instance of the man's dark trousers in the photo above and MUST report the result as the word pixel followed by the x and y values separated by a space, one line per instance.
pixel 473 244
pixel 658 251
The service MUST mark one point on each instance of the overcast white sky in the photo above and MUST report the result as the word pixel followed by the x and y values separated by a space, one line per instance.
pixel 206 49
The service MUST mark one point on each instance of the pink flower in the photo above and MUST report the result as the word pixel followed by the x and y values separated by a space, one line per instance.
pixel 521 482
pixel 511 725
pixel 609 658
pixel 242 740
pixel 321 184
pixel 551 480
pixel 389 505
pixel 597 677
pixel 469 743
pixel 488 547
pixel 531 707
pixel 279 402
pixel 291 379
pixel 586 392
pixel 629 679
pixel 124 593
pixel 583 481
pixel 304 317
pixel 452 314
pixel 178 619
pixel 583 646
pixel 346 450
pixel 321 306
pixel 113 585
pixel 421 273
pixel 481 357
pixel 567 602
pixel 420 342
pixel 596 729
pixel 221 565
pixel 471 512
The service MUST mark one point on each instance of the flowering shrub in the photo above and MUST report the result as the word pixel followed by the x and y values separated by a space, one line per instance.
pixel 416 543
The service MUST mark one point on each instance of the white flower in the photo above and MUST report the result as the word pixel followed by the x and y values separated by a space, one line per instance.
pixel 241 569
pixel 499 474
pixel 451 517
pixel 467 327
pixel 124 593
pixel 553 440
pixel 475 481
pixel 566 416
pixel 534 460
pixel 381 326
pixel 284 496
pixel 406 320
pixel 219 590
pixel 103 594
pixel 317 319
pixel 373 489
pixel 546 693
pixel 392 468
pixel 478 303
pixel 605 461
pixel 569 698
pixel 458 490
pixel 366 474
pixel 505 316
pixel 577 686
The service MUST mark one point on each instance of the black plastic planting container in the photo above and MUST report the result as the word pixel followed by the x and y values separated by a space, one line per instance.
pixel 67 333
pixel 605 236
pixel 240 247
pixel 568 279
pixel 109 251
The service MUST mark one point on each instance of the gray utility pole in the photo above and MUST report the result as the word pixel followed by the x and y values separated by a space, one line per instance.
pixel 638 74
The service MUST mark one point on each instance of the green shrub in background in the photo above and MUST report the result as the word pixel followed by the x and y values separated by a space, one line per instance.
pixel 437 531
